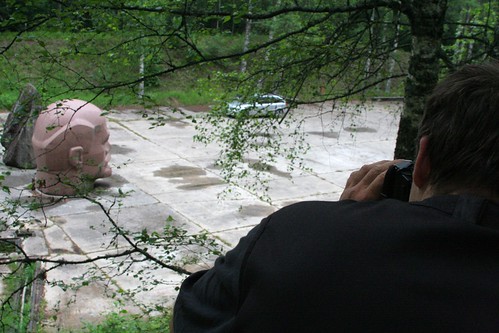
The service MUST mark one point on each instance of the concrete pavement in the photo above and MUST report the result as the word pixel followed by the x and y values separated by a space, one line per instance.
pixel 165 174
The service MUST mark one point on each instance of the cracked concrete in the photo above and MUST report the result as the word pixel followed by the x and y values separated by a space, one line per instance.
pixel 168 176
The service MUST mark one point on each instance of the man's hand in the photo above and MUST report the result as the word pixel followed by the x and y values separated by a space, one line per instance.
pixel 366 183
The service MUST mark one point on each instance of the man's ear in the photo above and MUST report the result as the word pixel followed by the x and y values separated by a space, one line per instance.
pixel 76 157
pixel 422 166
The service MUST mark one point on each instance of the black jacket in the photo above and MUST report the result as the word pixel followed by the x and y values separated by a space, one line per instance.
pixel 386 266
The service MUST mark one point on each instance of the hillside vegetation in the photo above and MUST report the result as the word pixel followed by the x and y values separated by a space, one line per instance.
pixel 76 65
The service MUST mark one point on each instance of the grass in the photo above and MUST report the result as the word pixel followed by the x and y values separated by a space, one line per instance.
pixel 6 246
pixel 80 65
pixel 11 318
pixel 122 322
pixel 60 69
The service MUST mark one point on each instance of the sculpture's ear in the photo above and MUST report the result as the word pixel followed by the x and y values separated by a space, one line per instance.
pixel 76 156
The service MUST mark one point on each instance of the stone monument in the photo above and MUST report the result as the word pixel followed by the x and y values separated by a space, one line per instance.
pixel 18 129
pixel 71 147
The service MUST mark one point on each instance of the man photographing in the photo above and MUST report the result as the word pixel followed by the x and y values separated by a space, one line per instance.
pixel 369 265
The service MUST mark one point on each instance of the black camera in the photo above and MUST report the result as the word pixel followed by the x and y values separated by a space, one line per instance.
pixel 398 181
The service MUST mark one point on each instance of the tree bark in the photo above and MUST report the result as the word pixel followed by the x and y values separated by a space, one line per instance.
pixel 395 43
pixel 141 75
pixel 426 18
pixel 247 36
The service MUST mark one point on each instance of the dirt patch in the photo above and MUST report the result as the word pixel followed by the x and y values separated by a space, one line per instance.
pixel 360 129
pixel 121 150
pixel 197 108
pixel 179 171
pixel 256 210
pixel 329 135
pixel 189 178
pixel 259 166
pixel 128 107
pixel 177 123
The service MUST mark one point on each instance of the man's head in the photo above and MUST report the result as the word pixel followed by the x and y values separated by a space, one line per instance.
pixel 71 146
pixel 459 134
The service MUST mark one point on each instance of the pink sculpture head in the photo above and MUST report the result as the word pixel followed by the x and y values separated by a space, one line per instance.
pixel 71 146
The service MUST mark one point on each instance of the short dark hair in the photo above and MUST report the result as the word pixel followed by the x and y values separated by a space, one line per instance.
pixel 461 120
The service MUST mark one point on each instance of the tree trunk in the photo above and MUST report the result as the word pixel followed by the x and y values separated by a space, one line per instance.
pixel 141 74
pixel 367 66
pixel 247 36
pixel 427 20
pixel 391 63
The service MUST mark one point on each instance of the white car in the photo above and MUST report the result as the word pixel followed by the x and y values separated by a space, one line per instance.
pixel 258 105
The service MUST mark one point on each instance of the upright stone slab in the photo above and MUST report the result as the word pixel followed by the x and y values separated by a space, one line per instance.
pixel 18 129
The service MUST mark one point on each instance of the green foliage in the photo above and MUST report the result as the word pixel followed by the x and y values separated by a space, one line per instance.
pixel 100 62
pixel 249 146
pixel 69 65
pixel 219 44
pixel 137 254
pixel 123 322
pixel 14 308
pixel 475 37
pixel 141 255
pixel 93 50
pixel 63 66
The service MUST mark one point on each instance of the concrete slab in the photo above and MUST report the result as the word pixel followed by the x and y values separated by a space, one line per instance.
pixel 67 307
pixel 36 245
pixel 165 174
pixel 301 187
pixel 233 213
pixel 157 284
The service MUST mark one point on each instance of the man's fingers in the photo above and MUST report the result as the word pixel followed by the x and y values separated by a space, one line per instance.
pixel 366 183
pixel 376 184
pixel 366 173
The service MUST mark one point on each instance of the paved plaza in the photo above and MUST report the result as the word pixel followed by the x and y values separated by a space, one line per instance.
pixel 166 175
